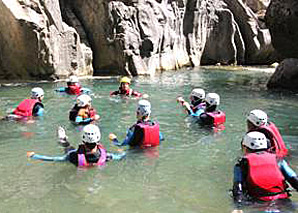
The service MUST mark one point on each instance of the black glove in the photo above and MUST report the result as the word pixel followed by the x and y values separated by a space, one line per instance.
pixel 238 194
pixel 294 182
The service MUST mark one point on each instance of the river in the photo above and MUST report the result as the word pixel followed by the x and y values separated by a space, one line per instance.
pixel 191 171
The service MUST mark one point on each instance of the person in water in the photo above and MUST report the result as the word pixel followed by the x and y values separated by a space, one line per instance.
pixel 257 120
pixel 73 87
pixel 259 175
pixel 212 116
pixel 89 153
pixel 197 103
pixel 144 133
pixel 83 112
pixel 125 90
pixel 31 106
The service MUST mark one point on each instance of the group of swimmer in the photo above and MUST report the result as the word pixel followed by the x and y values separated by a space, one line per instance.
pixel 260 175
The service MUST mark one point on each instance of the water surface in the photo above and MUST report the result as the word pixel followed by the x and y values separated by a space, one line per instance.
pixel 190 172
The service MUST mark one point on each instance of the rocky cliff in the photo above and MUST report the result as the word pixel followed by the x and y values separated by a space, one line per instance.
pixel 282 19
pixel 36 44
pixel 53 38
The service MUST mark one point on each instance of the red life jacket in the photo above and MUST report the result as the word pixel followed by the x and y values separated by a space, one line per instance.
pixel 92 112
pixel 129 92
pixel 25 108
pixel 82 162
pixel 74 89
pixel 277 144
pixel 219 117
pixel 265 180
pixel 151 134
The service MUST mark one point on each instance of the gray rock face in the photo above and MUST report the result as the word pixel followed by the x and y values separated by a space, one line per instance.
pixel 257 39
pixel 285 75
pixel 128 37
pixel 225 44
pixel 282 19
pixel 36 44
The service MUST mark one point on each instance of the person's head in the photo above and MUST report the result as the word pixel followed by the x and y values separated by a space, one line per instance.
pixel 37 93
pixel 197 96
pixel 124 83
pixel 256 118
pixel 84 100
pixel 254 142
pixel 72 80
pixel 212 101
pixel 91 135
pixel 143 109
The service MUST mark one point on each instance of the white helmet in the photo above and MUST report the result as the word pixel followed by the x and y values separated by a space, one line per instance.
pixel 37 92
pixel 255 140
pixel 198 93
pixel 212 99
pixel 73 79
pixel 257 117
pixel 91 134
pixel 83 100
pixel 144 108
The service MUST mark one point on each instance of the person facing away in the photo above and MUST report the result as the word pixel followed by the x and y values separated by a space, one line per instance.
pixel 125 90
pixel 144 133
pixel 212 116
pixel 89 153
pixel 83 112
pixel 31 106
pixel 197 103
pixel 260 175
pixel 257 120
pixel 73 87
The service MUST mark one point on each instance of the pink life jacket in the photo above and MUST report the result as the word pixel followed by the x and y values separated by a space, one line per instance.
pixel 151 134
pixel 277 143
pixel 74 89
pixel 219 117
pixel 265 180
pixel 82 162
pixel 25 108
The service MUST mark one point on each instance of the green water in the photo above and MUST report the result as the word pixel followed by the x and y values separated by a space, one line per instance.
pixel 191 170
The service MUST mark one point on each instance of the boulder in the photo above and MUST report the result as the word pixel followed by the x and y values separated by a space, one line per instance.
pixel 281 19
pixel 285 75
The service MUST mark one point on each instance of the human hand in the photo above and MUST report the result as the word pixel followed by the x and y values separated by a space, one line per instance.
pixel 145 96
pixel 112 136
pixel 237 211
pixel 96 117
pixel 180 100
pixel 61 133
pixel 30 154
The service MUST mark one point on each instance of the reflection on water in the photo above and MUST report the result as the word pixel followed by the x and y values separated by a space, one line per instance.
pixel 190 172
